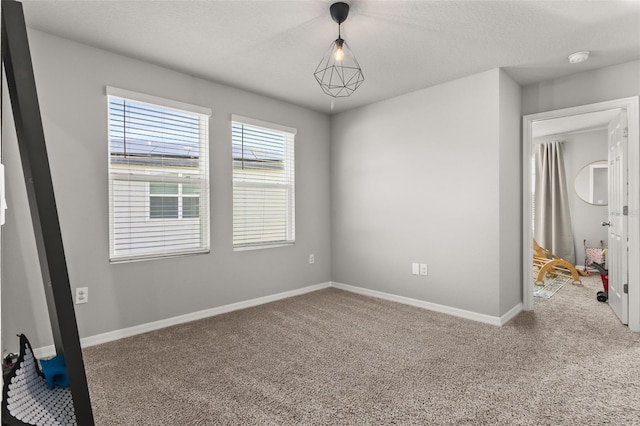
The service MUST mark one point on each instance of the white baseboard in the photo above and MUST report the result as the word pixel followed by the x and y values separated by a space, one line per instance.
pixel 50 351
pixel 488 319
pixel 44 352
pixel 511 314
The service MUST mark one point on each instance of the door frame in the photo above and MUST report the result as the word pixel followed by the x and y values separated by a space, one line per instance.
pixel 631 105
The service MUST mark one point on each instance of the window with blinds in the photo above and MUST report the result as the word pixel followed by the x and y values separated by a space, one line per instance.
pixel 158 177
pixel 263 184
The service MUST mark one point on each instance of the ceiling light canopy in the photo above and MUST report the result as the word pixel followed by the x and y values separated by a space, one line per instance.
pixel 339 73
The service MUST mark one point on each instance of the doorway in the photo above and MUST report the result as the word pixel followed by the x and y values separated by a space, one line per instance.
pixel 585 112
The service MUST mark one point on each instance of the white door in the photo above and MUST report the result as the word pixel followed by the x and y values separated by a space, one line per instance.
pixel 618 242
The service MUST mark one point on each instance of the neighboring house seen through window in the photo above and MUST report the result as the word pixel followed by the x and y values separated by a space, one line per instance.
pixel 158 177
pixel 173 201
pixel 263 184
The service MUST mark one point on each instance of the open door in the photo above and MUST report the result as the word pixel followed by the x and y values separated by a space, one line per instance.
pixel 626 305
pixel 617 258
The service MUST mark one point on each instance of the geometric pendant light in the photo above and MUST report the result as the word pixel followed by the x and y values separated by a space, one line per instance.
pixel 339 73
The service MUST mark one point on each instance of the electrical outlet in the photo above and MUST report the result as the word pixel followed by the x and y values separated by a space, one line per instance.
pixel 312 259
pixel 415 268
pixel 82 295
pixel 423 269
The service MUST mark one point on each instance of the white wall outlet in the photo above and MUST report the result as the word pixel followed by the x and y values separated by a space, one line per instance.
pixel 82 295
pixel 423 269
pixel 312 259
pixel 415 268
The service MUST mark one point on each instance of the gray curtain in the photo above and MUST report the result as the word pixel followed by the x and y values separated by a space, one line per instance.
pixel 552 221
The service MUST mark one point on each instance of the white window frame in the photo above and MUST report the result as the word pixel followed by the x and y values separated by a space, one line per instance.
pixel 203 180
pixel 290 134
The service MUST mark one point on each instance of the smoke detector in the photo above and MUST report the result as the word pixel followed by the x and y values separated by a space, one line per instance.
pixel 576 58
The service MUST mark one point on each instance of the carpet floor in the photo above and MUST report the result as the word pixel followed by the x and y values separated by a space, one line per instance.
pixel 337 358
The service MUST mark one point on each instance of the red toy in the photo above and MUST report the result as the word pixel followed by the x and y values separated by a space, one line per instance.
pixel 602 296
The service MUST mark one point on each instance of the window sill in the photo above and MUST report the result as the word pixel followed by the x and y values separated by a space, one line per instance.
pixel 129 259
pixel 262 246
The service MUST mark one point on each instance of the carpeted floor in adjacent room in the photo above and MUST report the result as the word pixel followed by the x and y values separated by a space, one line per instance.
pixel 337 358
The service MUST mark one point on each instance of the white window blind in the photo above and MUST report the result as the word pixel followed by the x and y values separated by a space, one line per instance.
pixel 263 183
pixel 158 177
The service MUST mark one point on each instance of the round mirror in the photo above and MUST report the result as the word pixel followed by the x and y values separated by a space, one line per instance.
pixel 592 183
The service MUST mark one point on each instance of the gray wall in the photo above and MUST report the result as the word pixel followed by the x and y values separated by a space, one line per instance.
pixel 417 179
pixel 71 80
pixel 582 88
pixel 579 150
pixel 510 181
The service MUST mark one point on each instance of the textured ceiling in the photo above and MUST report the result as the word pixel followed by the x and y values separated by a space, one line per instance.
pixel 273 47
